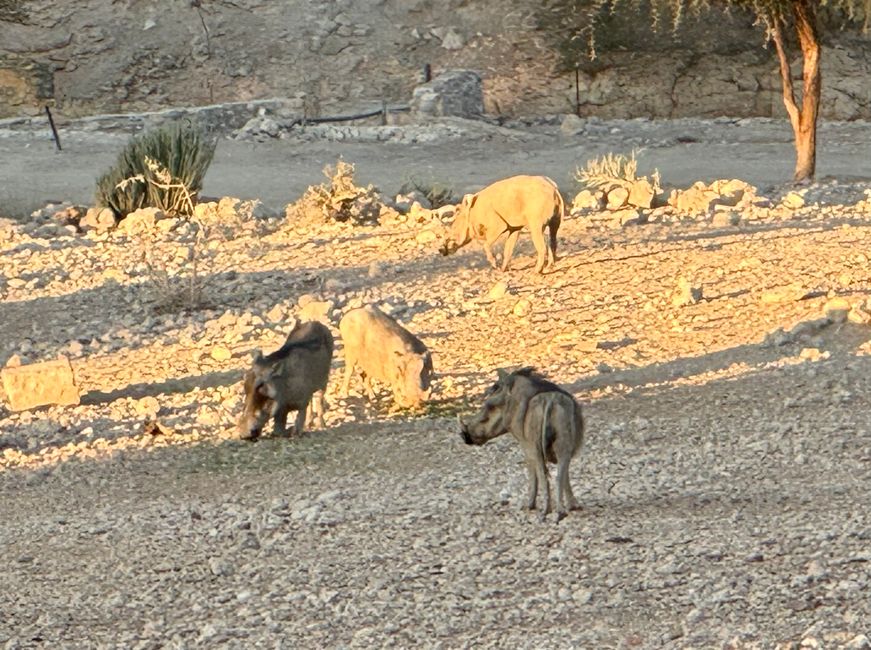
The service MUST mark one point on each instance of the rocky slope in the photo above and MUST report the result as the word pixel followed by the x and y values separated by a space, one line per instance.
pixel 332 55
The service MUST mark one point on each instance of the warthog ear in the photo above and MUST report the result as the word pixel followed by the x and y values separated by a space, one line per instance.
pixel 501 375
pixel 256 355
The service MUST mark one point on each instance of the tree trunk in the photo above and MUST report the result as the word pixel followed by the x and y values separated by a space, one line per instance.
pixel 804 120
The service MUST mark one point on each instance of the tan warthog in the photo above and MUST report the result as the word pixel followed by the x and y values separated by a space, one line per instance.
pixel 545 420
pixel 509 206
pixel 387 352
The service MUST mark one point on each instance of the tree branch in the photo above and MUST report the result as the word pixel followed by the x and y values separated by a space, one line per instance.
pixel 785 75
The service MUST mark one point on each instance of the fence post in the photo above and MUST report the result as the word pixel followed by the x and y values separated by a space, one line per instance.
pixel 53 129
pixel 577 91
pixel 383 112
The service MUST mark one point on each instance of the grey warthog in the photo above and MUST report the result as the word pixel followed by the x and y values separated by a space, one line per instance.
pixel 509 206
pixel 387 352
pixel 545 420
pixel 293 378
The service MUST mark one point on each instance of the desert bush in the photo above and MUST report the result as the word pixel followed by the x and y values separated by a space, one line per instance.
pixel 438 194
pixel 612 171
pixel 162 169
pixel 339 199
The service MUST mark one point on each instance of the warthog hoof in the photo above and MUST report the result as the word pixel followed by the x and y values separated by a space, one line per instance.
pixel 560 516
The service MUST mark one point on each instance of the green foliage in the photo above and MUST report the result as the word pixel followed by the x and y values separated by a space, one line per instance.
pixel 163 169
pixel 580 30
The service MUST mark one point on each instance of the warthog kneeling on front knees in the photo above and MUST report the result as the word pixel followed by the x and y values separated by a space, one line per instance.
pixel 545 420
pixel 509 206
pixel 387 352
pixel 293 378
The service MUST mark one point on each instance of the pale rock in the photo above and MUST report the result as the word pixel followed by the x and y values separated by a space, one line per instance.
pixel 522 307
pixel 793 201
pixel 641 194
pixel 498 290
pixel 40 384
pixel 426 237
pixel 572 125
pixel 588 200
pixel 617 197
pixel 837 309
pixel 686 293
pixel 220 353
pixel 140 221
pixel 99 220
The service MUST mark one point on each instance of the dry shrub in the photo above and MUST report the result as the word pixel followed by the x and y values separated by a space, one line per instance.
pixel 174 269
pixel 438 194
pixel 339 199
pixel 612 171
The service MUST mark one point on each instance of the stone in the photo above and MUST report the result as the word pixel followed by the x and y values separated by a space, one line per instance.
pixel 725 219
pixel 588 200
pixel 498 290
pixel 641 194
pixel 628 217
pixel 698 199
pixel 617 198
pixel 318 310
pixel 453 93
pixel 453 40
pixel 837 309
pixel 686 293
pixel 572 125
pixel 140 221
pixel 98 219
pixel 522 307
pixel 790 293
pixel 40 384
pixel 220 353
pixel 793 201
pixel 426 237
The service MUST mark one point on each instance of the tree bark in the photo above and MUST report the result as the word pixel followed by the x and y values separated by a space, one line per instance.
pixel 804 119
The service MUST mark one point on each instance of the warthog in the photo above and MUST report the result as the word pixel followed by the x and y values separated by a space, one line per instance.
pixel 509 206
pixel 387 352
pixel 545 420
pixel 292 378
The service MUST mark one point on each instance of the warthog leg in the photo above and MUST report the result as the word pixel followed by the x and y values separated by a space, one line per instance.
pixel 541 470
pixel 540 248
pixel 299 423
pixel 280 421
pixel 532 491
pixel 316 410
pixel 349 371
pixel 509 248
pixel 564 496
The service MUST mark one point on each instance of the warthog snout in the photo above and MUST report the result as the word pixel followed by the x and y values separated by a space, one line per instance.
pixel 464 431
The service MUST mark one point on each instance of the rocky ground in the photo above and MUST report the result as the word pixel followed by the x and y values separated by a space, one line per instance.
pixel 723 367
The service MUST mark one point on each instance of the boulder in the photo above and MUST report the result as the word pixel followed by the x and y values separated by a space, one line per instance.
pixel 617 198
pixel 40 384
pixel 641 194
pixel 140 221
pixel 454 93
pixel 98 219
pixel 588 200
